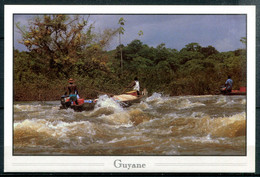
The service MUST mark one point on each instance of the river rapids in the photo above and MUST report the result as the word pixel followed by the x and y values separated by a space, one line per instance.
pixel 158 125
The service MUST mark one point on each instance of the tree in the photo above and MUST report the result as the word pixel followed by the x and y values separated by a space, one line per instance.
pixel 243 40
pixel 207 51
pixel 192 47
pixel 61 41
pixel 121 30
pixel 55 37
pixel 162 53
pixel 140 33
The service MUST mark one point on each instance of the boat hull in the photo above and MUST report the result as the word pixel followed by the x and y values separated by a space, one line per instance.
pixel 241 91
pixel 131 102
pixel 83 105
pixel 236 93
pixel 88 105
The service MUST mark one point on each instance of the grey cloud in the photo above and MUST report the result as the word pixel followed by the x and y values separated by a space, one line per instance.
pixel 176 30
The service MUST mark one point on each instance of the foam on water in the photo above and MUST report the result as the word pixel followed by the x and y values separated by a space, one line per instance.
pixel 233 126
pixel 229 104
pixel 117 140
pixel 221 100
pixel 107 102
pixel 143 105
pixel 118 118
pixel 172 115
pixel 21 107
pixel 159 125
pixel 186 103
pixel 174 102
pixel 57 129
pixel 127 118
pixel 204 139
pixel 243 101
pixel 197 114
pixel 171 152
pixel 154 96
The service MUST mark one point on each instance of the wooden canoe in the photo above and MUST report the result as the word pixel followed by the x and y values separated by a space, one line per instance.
pixel 125 100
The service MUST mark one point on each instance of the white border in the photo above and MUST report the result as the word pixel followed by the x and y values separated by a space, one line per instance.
pixel 185 164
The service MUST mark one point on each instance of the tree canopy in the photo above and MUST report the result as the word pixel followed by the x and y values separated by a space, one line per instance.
pixel 61 46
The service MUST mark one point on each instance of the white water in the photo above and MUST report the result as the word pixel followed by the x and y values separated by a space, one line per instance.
pixel 158 125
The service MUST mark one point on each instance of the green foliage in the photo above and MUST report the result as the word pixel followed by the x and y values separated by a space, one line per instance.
pixel 243 40
pixel 61 47
pixel 140 33
pixel 192 70
pixel 64 43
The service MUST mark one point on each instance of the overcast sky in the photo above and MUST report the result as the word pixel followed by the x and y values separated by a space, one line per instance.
pixel 220 31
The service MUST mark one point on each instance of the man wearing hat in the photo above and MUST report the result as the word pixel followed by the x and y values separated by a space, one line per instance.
pixel 72 90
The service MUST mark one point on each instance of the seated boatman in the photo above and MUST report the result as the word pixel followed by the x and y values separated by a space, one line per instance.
pixel 72 90
pixel 229 84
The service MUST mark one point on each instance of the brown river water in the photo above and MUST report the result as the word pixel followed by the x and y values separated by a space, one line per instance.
pixel 158 125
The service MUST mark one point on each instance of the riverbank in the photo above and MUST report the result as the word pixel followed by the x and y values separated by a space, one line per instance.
pixel 53 93
pixel 34 92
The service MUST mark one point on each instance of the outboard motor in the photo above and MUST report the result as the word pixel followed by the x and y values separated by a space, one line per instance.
pixel 222 89
pixel 65 102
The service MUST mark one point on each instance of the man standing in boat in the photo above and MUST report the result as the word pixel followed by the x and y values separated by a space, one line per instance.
pixel 136 86
pixel 228 85
pixel 72 90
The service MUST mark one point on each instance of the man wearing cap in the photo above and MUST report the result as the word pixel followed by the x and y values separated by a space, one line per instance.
pixel 72 90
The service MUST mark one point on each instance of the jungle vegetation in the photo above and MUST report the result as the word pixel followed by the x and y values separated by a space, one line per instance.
pixel 62 47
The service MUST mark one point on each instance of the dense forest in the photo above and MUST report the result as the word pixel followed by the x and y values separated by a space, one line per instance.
pixel 62 47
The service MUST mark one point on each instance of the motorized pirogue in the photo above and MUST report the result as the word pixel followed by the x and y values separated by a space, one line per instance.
pixel 125 100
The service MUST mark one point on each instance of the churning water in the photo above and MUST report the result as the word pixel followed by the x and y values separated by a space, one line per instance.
pixel 158 125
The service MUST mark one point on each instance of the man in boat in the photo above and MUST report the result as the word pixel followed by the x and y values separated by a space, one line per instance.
pixel 228 85
pixel 136 86
pixel 72 90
